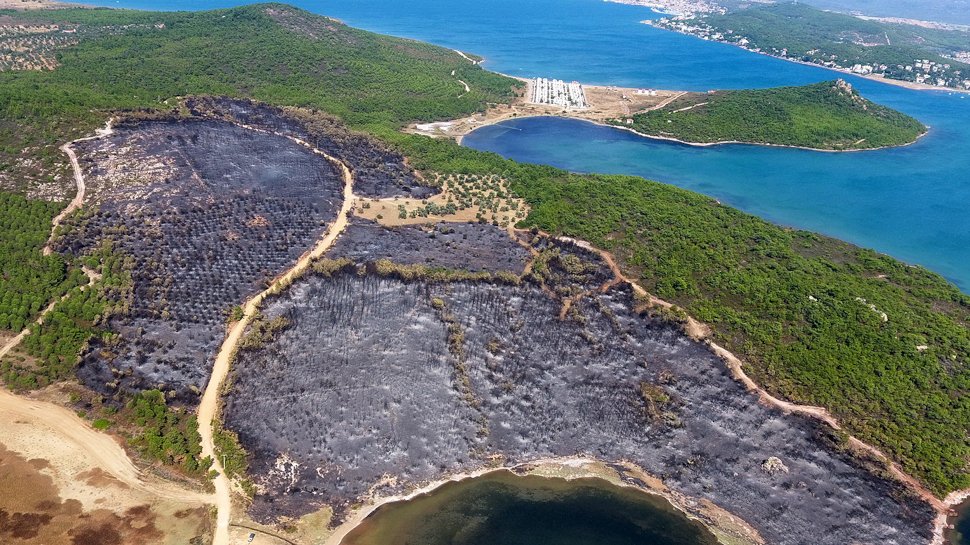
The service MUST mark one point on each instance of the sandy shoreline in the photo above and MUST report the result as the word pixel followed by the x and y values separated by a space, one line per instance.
pixel 606 103
pixel 943 515
pixel 464 130
pixel 701 144
pixel 764 144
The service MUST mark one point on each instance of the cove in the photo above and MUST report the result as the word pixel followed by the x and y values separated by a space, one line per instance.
pixel 897 201
pixel 960 533
pixel 502 508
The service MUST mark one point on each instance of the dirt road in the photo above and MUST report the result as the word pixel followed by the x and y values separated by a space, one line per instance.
pixel 104 449
pixel 702 332
pixel 209 406
pixel 78 199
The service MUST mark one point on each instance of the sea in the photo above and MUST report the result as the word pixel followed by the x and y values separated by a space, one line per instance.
pixel 503 508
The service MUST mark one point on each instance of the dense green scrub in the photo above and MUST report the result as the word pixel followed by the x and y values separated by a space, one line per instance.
pixel 804 311
pixel 829 115
pixel 166 434
pixel 28 279
pixel 808 34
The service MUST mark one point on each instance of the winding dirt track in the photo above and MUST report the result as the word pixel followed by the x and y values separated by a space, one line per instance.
pixel 78 199
pixel 209 406
pixel 466 57
pixel 103 448
pixel 69 428
pixel 112 456
pixel 64 423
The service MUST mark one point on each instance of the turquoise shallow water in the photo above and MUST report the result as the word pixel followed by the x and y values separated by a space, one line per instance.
pixel 910 203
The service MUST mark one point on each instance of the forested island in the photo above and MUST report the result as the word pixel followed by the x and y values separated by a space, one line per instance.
pixel 880 344
pixel 923 55
pixel 828 116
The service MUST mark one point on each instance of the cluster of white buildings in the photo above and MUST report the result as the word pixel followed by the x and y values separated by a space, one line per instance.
pixel 558 93
pixel 677 7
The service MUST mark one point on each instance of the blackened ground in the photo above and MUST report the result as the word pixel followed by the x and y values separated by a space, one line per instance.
pixel 362 386
pixel 367 382
pixel 378 171
pixel 210 212
pixel 465 246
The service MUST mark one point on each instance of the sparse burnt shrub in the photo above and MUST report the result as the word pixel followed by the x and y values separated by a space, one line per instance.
pixel 209 212
pixel 453 246
pixel 479 369
pixel 378 171
pixel 567 268
pixel 262 330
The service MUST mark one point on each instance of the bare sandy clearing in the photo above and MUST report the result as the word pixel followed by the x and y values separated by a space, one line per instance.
pixel 462 199
pixel 68 483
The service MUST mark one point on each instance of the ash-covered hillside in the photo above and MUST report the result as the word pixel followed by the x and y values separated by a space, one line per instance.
pixel 211 206
pixel 404 374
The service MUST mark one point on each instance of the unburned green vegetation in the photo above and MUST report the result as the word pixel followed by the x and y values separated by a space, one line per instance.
pixel 270 52
pixel 828 115
pixel 29 280
pixel 798 31
pixel 166 434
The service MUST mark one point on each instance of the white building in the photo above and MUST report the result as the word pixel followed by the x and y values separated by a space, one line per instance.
pixel 558 93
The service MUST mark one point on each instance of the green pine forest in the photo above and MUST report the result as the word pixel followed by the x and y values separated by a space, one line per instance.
pixel 828 115
pixel 804 311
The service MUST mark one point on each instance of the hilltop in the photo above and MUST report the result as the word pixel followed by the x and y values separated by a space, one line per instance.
pixel 829 116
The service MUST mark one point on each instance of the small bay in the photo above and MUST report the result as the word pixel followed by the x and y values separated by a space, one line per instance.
pixel 502 508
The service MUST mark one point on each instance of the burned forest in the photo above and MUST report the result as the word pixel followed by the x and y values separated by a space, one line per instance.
pixel 391 375
pixel 211 205
pixel 411 353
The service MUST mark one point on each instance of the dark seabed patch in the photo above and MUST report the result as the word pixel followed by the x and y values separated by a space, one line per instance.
pixel 502 508
pixel 960 533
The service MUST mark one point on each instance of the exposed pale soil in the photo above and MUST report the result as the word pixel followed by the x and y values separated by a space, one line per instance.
pixel 209 405
pixel 63 480
pixel 475 199
pixel 490 418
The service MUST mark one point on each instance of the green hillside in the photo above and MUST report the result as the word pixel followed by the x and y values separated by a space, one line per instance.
pixel 829 115
pixel 133 59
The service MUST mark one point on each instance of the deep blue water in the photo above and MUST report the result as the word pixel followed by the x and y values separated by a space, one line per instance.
pixel 907 202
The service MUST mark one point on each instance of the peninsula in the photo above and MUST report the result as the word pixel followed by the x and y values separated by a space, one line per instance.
pixel 824 116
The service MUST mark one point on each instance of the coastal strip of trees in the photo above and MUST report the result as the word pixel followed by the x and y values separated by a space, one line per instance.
pixel 828 115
